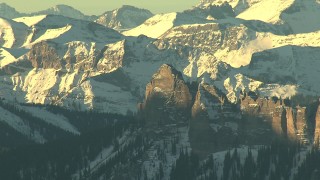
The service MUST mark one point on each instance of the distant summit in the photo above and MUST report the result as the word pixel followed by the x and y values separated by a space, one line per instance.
pixel 8 12
pixel 65 10
pixel 126 17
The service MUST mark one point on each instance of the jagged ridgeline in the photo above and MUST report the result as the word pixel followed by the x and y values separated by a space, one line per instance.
pixel 210 115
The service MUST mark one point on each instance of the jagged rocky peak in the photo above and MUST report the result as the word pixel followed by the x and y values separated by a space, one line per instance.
pixel 7 11
pixel 167 98
pixel 213 11
pixel 212 117
pixel 253 104
pixel 126 17
pixel 168 82
pixel 238 5
pixel 211 103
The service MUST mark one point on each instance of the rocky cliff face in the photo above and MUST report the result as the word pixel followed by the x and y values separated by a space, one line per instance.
pixel 212 116
pixel 291 125
pixel 211 102
pixel 317 126
pixel 167 99
pixel 289 122
pixel 44 55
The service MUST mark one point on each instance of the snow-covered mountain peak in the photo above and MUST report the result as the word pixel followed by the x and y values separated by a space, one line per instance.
pixel 238 5
pixel 61 29
pixel 61 8
pixel 126 17
pixel 64 10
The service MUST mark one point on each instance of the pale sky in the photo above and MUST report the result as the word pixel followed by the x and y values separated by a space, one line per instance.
pixel 97 7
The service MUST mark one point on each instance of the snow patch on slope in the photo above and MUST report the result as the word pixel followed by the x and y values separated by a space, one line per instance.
pixel 12 34
pixel 155 26
pixel 237 83
pixel 265 41
pixel 40 85
pixel 266 10
pixel 283 91
pixel 19 125
pixel 53 33
pixel 54 119
pixel 30 20
pixel 6 58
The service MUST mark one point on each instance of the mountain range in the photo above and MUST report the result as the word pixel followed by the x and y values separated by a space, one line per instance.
pixel 244 70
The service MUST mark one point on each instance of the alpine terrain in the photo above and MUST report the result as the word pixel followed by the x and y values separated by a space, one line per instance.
pixel 225 90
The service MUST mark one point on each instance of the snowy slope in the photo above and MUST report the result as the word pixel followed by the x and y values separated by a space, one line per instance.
pixel 51 118
pixel 19 125
pixel 299 15
pixel 30 20
pixel 155 26
pixel 302 16
pixel 64 30
pixel 6 57
pixel 266 10
pixel 288 64
pixel 12 34
pixel 60 29
pixel 264 41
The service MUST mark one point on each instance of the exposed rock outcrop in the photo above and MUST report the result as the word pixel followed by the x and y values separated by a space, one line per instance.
pixel 44 55
pixel 210 113
pixel 289 122
pixel 317 126
pixel 291 125
pixel 167 99
pixel 301 124
pixel 212 103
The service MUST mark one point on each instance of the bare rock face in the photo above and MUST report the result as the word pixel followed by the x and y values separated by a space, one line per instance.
pixel 77 56
pixel 291 126
pixel 44 55
pixel 301 124
pixel 252 104
pixel 317 126
pixel 211 109
pixel 279 121
pixel 211 102
pixel 286 121
pixel 168 99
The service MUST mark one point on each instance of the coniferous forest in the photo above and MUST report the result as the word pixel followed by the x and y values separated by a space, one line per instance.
pixel 126 141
